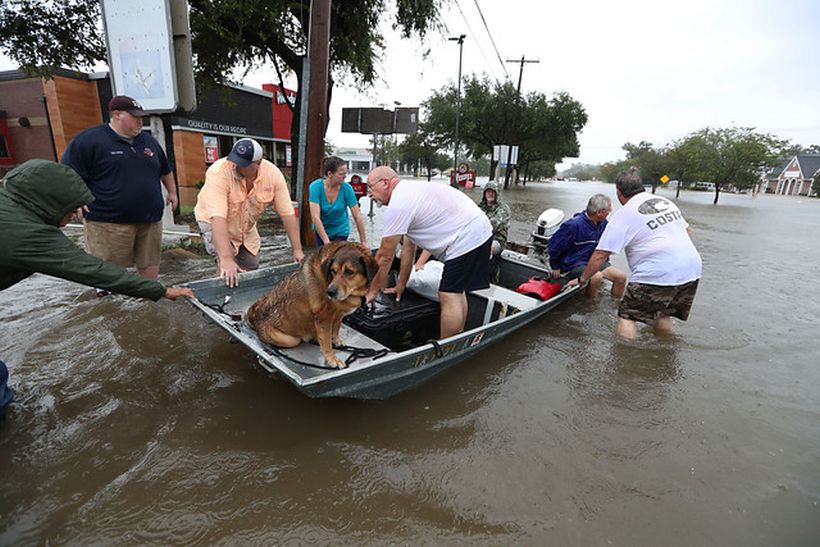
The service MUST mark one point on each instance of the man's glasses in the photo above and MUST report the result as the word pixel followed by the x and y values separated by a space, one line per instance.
pixel 383 179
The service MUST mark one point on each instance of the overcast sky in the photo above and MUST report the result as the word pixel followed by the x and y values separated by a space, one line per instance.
pixel 644 70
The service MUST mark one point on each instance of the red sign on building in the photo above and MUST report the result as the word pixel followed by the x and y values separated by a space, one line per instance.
pixel 282 112
pixel 211 148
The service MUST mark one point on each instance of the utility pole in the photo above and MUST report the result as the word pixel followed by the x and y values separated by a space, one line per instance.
pixel 515 114
pixel 318 52
pixel 460 41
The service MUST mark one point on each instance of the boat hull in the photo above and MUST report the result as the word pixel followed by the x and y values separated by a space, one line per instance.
pixel 493 315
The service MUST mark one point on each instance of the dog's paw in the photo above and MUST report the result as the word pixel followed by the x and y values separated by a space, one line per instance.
pixel 335 362
pixel 338 342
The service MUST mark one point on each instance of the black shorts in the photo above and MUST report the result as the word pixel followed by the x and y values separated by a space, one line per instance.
pixel 468 272
pixel 648 303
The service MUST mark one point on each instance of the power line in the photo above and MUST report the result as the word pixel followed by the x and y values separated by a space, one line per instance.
pixel 477 41
pixel 491 39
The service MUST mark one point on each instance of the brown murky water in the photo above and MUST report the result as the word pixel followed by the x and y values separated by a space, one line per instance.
pixel 142 423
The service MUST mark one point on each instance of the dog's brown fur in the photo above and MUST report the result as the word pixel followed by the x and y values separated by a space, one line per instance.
pixel 309 304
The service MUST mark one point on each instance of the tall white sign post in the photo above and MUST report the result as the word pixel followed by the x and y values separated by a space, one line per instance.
pixel 141 57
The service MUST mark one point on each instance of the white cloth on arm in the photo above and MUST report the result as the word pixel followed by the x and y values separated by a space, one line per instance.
pixel 658 248
pixel 437 218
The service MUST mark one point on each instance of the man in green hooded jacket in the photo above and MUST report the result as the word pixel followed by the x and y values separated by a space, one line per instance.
pixel 37 199
pixel 499 214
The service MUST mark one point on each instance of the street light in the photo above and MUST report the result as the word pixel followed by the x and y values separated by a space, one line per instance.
pixel 460 41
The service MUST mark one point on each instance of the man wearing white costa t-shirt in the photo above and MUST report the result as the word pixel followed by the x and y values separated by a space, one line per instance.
pixel 664 263
pixel 441 220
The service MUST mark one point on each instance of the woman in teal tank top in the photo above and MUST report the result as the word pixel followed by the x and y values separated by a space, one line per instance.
pixel 330 198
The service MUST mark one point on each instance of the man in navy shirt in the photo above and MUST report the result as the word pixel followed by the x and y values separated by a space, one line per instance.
pixel 574 242
pixel 123 166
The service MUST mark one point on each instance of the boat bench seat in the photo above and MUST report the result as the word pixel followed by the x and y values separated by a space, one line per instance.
pixel 497 293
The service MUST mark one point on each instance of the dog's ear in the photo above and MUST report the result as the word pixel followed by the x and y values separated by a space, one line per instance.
pixel 371 267
pixel 326 265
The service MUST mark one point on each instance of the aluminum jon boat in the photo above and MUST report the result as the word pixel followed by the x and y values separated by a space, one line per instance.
pixel 390 349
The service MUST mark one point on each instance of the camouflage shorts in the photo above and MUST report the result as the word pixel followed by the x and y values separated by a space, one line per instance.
pixel 647 303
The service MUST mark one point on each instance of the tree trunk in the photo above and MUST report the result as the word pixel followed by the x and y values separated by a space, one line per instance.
pixel 717 194
pixel 677 190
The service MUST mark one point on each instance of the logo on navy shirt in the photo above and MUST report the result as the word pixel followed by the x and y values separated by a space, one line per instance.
pixel 148 152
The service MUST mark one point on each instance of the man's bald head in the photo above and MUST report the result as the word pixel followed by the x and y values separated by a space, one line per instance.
pixel 380 183
pixel 380 172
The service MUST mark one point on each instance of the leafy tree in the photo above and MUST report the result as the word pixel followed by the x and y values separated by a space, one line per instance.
pixel 479 165
pixel 541 169
pixel 653 162
pixel 610 170
pixel 790 149
pixel 493 113
pixel 729 156
pixel 421 149
pixel 583 171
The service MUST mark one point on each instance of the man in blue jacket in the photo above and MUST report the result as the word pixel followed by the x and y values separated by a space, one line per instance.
pixel 574 242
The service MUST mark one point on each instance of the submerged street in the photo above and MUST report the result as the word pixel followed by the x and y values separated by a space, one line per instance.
pixel 140 422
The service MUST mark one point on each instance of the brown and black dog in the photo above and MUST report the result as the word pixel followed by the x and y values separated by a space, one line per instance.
pixel 309 304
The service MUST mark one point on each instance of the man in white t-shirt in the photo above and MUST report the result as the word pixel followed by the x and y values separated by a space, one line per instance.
pixel 665 265
pixel 445 222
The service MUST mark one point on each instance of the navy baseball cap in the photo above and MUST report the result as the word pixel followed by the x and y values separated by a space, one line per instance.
pixel 245 152
pixel 127 104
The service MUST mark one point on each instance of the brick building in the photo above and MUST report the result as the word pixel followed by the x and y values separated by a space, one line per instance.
pixel 795 177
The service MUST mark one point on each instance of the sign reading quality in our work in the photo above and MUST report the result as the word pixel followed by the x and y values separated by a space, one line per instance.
pixel 140 52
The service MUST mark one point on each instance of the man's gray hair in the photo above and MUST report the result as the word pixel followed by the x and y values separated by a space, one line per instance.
pixel 629 183
pixel 598 202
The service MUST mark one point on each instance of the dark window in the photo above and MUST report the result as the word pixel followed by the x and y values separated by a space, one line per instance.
pixel 4 149
pixel 225 145
pixel 281 159
pixel 268 148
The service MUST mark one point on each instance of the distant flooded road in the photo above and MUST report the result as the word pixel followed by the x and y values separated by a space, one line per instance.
pixel 141 423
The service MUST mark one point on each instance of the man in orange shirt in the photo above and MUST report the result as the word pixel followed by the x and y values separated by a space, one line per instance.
pixel 237 189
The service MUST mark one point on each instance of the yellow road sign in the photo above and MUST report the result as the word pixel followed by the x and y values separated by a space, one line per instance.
pixel 664 179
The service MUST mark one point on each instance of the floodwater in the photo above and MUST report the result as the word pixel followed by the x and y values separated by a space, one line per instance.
pixel 140 423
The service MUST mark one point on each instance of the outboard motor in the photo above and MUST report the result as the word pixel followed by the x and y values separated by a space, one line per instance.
pixel 546 225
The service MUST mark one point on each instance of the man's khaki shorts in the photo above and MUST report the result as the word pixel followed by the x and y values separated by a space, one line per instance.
pixel 648 303
pixel 243 257
pixel 125 244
